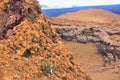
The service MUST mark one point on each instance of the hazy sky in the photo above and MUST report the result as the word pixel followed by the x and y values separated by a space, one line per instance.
pixel 70 3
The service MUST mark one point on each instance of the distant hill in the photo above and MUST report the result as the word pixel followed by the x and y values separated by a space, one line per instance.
pixel 57 12
pixel 97 15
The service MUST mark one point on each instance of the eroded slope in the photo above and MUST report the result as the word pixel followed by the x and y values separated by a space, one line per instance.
pixel 29 48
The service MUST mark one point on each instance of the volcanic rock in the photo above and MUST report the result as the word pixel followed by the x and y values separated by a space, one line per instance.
pixel 95 35
pixel 29 48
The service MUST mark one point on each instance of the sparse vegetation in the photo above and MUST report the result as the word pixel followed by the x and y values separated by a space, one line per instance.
pixel 48 68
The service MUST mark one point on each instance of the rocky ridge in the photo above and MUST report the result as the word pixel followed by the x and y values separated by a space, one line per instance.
pixel 95 35
pixel 29 48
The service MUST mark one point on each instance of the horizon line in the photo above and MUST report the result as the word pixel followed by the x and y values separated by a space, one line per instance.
pixel 79 6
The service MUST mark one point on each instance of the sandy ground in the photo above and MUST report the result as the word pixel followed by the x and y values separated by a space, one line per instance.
pixel 88 57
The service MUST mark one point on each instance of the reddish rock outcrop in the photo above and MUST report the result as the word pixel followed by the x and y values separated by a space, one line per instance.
pixel 15 11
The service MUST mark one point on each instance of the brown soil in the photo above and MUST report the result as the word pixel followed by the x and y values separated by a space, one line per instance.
pixel 84 53
pixel 88 57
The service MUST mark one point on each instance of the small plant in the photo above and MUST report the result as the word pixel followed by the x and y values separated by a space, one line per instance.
pixel 48 68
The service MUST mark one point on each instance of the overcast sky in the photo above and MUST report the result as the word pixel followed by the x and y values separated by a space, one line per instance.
pixel 70 3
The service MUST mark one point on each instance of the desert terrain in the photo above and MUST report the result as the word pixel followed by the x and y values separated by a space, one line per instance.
pixel 88 57
pixel 36 47
pixel 83 31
